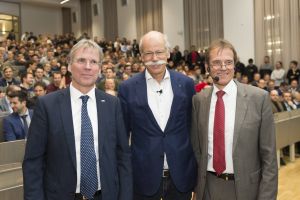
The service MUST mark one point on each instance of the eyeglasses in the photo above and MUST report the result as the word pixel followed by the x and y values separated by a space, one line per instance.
pixel 218 64
pixel 150 54
pixel 83 61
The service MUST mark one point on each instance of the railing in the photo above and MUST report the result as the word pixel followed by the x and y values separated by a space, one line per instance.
pixel 287 126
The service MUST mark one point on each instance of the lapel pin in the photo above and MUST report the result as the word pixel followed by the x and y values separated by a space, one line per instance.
pixel 102 100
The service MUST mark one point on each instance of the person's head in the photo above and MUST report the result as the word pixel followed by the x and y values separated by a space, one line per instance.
pixel 63 70
pixel 128 69
pixel 278 65
pixel 271 84
pixel 296 96
pixel 294 84
pixel 39 88
pixel 125 76
pixel 261 83
pixel 18 101
pixel 284 86
pixel 39 73
pixel 47 67
pixel 266 59
pixel 155 50
pixel 287 96
pixel 109 84
pixel 221 58
pixel 293 64
pixel 31 66
pixel 250 61
pixel 56 76
pixel 256 76
pixel 267 77
pixel 244 79
pixel 274 95
pixel 27 78
pixel 8 72
pixel 110 73
pixel 12 88
pixel 135 67
pixel 85 62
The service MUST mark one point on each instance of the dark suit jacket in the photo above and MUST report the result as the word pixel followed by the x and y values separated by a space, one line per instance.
pixel 49 166
pixel 254 146
pixel 3 82
pixel 149 142
pixel 13 128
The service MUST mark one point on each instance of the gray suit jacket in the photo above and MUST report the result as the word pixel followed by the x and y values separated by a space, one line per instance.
pixel 254 146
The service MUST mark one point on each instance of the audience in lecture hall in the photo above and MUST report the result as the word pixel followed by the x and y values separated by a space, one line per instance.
pixel 39 65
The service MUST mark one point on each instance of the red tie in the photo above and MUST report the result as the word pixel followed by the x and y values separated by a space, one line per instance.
pixel 219 163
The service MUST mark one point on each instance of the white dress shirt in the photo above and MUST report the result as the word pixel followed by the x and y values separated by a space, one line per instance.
pixel 229 99
pixel 76 104
pixel 160 97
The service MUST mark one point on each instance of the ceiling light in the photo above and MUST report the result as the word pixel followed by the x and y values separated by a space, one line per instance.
pixel 64 1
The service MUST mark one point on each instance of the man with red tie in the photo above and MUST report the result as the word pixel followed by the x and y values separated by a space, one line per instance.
pixel 233 134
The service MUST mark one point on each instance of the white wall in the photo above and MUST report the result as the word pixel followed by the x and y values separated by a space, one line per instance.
pixel 41 19
pixel 173 22
pixel 239 27
pixel 127 19
pixel 9 8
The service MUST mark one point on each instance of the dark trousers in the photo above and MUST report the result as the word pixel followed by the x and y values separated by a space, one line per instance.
pixel 97 196
pixel 166 191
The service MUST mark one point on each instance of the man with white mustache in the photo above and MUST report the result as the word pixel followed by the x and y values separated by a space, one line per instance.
pixel 157 108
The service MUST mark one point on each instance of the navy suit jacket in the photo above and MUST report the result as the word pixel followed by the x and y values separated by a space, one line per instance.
pixel 149 142
pixel 49 166
pixel 13 128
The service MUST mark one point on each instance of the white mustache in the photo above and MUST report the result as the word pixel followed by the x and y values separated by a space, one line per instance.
pixel 159 62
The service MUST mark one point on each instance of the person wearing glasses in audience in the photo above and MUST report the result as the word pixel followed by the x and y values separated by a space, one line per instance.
pixel 157 111
pixel 77 146
pixel 233 134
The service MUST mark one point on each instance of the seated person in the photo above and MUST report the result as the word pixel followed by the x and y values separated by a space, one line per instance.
pixel 4 100
pixel 276 103
pixel 15 125
pixel 287 103
pixel 57 83
pixel 8 78
pixel 110 86
pixel 39 89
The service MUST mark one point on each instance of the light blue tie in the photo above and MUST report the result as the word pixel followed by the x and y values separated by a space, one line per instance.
pixel 88 176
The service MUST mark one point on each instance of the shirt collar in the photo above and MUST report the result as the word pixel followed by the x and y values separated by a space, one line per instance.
pixel 228 89
pixel 149 77
pixel 26 113
pixel 76 94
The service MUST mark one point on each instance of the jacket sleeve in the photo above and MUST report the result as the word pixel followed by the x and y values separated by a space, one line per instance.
pixel 124 158
pixel 8 131
pixel 35 155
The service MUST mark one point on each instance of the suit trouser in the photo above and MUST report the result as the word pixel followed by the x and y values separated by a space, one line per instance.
pixel 167 191
pixel 218 188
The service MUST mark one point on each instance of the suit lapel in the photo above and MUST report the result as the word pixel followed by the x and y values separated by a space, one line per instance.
pixel 240 113
pixel 67 120
pixel 176 87
pixel 19 122
pixel 205 110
